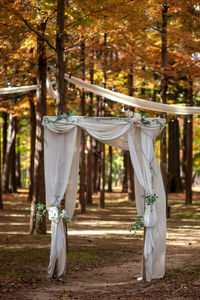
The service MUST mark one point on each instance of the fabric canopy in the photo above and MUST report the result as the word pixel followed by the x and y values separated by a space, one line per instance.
pixel 114 96
pixel 62 144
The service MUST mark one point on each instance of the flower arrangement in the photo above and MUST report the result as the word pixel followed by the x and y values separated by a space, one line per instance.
pixel 136 118
pixel 41 210
pixel 149 199
pixel 139 224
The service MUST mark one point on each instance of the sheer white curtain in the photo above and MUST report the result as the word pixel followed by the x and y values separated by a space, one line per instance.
pixel 61 156
pixel 62 140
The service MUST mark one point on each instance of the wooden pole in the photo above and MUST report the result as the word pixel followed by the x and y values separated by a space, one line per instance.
pixel 144 263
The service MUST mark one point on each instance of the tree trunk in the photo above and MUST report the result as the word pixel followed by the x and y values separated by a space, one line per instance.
pixel 18 164
pixel 110 155
pixel 33 137
pixel 164 87
pixel 5 128
pixel 60 65
pixel 95 165
pixel 102 112
pixel 131 192
pixel 1 200
pixel 154 89
pixel 184 147
pixel 8 156
pixel 130 171
pixel 102 178
pixel 189 141
pixel 125 178
pixel 82 158
pixel 13 183
pixel 38 176
pixel 90 162
pixel 174 179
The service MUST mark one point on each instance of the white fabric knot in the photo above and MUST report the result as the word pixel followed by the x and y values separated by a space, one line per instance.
pixel 129 114
pixel 55 215
pixel 136 120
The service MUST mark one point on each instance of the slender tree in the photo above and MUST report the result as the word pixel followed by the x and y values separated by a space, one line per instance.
pixel 1 200
pixel 60 65
pixel 5 128
pixel 164 86
pixel 125 177
pixel 9 151
pixel 174 179
pixel 189 141
pixel 38 175
pixel 33 136
pixel 82 160
pixel 13 182
pixel 90 162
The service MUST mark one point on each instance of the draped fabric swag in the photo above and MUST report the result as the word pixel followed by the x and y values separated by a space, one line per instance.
pixel 113 96
pixel 62 144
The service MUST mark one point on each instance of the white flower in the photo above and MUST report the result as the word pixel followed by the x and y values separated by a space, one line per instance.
pixel 64 214
pixel 129 114
pixel 137 118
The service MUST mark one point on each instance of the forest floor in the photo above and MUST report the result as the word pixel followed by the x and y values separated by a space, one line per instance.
pixel 103 260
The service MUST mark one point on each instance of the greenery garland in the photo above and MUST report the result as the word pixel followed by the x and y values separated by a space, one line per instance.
pixel 41 211
pixel 149 199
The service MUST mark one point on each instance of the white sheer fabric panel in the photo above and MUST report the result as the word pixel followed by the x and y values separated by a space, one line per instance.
pixel 61 157
pixel 61 169
pixel 147 172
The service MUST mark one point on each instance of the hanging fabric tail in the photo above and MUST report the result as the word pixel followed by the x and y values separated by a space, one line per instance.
pixel 58 243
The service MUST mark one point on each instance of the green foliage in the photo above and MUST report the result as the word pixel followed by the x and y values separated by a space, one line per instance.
pixel 139 224
pixel 149 199
pixel 41 211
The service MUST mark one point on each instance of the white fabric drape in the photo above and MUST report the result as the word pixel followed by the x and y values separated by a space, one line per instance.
pixel 17 89
pixel 62 139
pixel 114 96
pixel 132 101
pixel 61 159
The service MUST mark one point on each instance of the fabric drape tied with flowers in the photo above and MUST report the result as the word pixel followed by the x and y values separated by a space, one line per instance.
pixel 134 133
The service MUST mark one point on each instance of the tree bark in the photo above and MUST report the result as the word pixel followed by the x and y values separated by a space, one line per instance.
pixel 18 164
pixel 130 171
pixel 13 183
pixel 33 137
pixel 1 200
pixel 5 128
pixel 102 112
pixel 90 162
pixel 82 158
pixel 189 141
pixel 38 176
pixel 184 147
pixel 8 156
pixel 164 87
pixel 131 191
pixel 174 178
pixel 125 178
pixel 110 170
pixel 60 64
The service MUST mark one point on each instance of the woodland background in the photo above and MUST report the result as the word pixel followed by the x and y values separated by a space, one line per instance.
pixel 148 49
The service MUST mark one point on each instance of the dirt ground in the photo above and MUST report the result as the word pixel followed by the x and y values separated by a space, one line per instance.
pixel 103 260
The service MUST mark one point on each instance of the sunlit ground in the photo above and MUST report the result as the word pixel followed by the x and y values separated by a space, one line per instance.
pixel 100 240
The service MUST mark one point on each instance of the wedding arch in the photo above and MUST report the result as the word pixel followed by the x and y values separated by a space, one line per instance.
pixel 61 159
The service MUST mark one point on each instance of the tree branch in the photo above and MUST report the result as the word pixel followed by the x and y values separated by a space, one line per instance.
pixel 31 28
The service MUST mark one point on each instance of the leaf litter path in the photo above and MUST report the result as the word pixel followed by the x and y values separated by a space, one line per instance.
pixel 103 261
